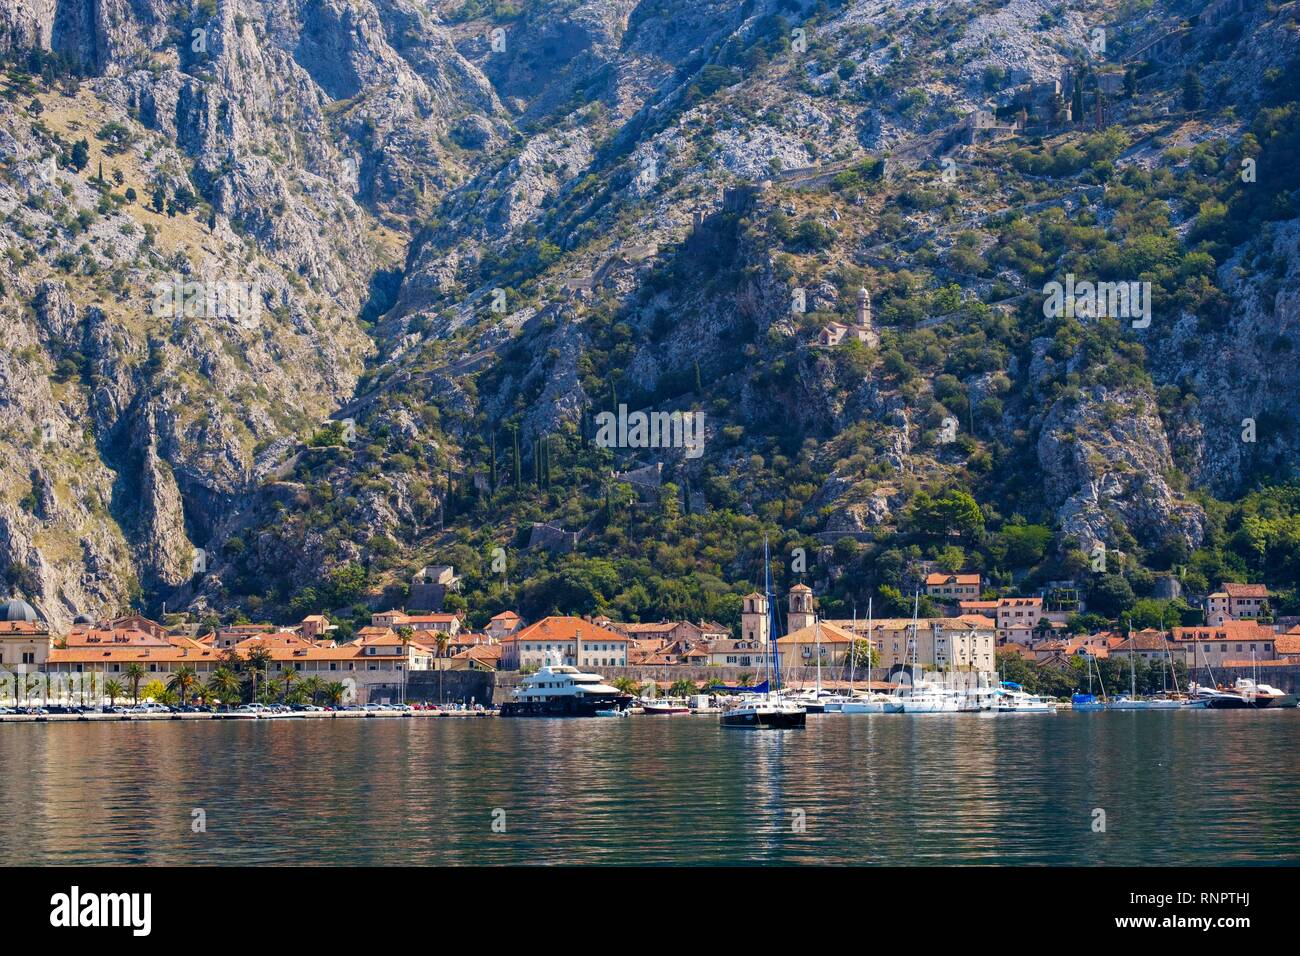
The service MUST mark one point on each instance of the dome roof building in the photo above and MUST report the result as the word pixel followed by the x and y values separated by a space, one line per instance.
pixel 16 609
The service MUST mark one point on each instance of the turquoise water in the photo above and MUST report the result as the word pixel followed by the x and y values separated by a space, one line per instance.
pixel 1176 788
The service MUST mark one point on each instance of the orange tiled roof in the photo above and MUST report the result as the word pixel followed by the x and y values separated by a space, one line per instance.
pixel 830 634
pixel 481 652
pixel 23 627
pixel 564 629
pixel 1287 643
pixel 939 577
pixel 1245 590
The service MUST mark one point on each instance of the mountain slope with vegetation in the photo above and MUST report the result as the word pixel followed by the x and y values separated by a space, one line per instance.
pixel 474 227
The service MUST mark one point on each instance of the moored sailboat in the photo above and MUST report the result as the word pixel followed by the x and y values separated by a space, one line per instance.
pixel 767 709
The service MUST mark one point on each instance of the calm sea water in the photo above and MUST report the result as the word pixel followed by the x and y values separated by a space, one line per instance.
pixel 1182 787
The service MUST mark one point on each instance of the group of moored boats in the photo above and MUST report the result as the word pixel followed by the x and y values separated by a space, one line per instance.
pixel 564 691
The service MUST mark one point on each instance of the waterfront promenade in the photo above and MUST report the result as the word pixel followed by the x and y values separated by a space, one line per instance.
pixel 291 715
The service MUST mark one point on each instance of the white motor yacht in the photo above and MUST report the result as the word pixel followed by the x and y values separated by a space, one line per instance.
pixel 1011 698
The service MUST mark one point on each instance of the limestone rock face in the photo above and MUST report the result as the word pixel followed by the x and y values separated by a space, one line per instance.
pixel 1241 368
pixel 1104 458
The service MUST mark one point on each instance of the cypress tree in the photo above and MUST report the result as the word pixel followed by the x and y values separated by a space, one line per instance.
pixel 519 471
pixel 493 468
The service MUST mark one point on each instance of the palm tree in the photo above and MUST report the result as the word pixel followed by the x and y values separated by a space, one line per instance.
pixel 134 673
pixel 224 684
pixel 682 687
pixel 335 692
pixel 625 685
pixel 114 690
pixel 312 687
pixel 287 677
pixel 257 659
pixel 183 683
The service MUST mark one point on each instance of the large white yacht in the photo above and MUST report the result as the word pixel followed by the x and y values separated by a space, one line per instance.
pixel 558 690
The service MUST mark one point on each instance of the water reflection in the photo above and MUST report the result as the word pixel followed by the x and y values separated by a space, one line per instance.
pixel 1206 787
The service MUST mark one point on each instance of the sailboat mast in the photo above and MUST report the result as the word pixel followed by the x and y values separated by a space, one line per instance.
pixel 772 664
pixel 1132 667
pixel 853 647
pixel 817 637
pixel 916 608
pixel 870 645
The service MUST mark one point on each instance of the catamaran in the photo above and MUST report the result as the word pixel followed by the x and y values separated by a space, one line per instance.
pixel 766 709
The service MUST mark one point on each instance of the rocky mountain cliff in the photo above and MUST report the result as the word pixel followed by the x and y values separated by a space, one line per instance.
pixel 459 230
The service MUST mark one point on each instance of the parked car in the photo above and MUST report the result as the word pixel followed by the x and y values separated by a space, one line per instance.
pixel 150 708
pixel 253 709
pixel 6 710
pixel 313 709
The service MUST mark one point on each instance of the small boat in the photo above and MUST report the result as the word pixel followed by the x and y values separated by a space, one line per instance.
pixel 1086 703
pixel 613 712
pixel 810 700
pixel 1144 703
pixel 663 706
pixel 873 704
